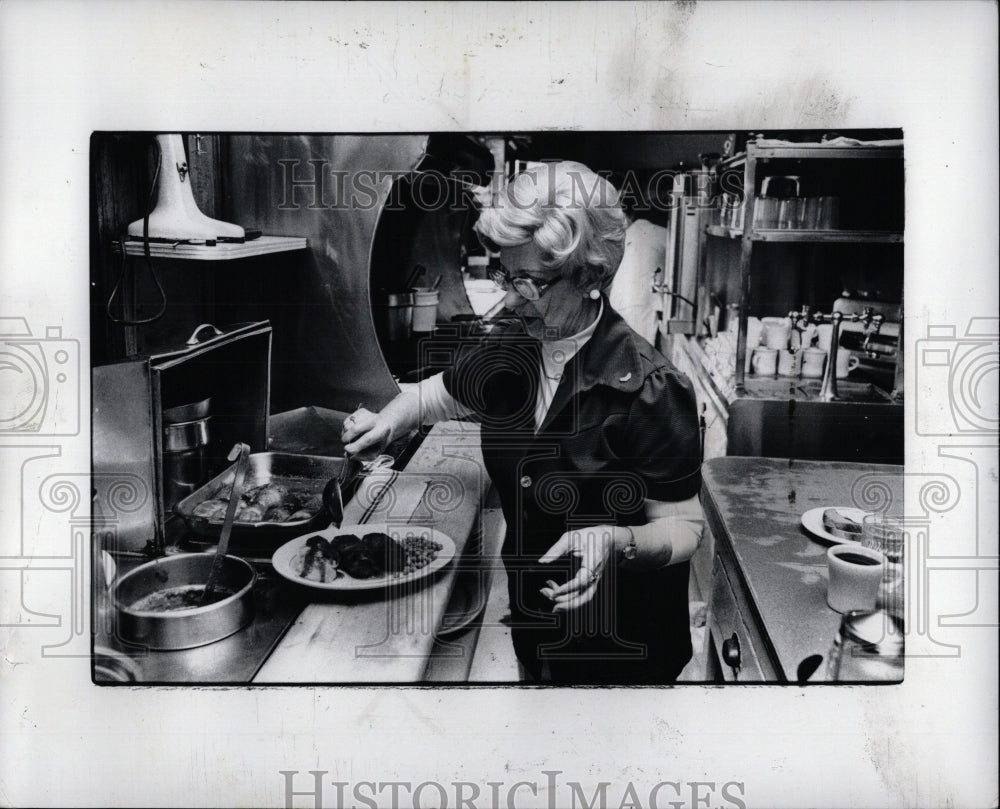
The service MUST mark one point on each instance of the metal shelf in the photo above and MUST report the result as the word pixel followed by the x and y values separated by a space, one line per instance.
pixel 804 151
pixel 220 251
pixel 810 236
pixel 827 236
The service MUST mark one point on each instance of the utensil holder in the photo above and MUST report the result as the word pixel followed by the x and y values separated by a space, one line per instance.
pixel 399 308
pixel 425 303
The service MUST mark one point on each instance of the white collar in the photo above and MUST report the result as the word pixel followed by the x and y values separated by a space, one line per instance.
pixel 556 353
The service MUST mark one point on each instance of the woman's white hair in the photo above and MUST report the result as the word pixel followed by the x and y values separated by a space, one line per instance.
pixel 567 210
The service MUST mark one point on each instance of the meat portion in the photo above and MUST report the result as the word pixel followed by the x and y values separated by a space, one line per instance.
pixel 366 557
pixel 315 562
pixel 267 496
pixel 840 525
pixel 389 552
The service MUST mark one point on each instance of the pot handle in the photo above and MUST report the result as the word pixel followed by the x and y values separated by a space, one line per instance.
pixel 194 339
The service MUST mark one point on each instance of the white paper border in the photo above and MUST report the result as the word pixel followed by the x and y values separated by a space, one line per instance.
pixel 67 68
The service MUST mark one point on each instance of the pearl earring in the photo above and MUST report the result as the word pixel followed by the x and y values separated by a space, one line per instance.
pixel 595 294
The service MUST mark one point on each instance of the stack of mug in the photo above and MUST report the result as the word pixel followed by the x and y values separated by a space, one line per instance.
pixel 783 351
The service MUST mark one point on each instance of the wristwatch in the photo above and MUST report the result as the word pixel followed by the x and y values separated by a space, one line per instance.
pixel 631 550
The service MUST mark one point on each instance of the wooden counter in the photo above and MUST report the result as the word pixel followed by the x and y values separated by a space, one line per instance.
pixel 770 574
pixel 385 638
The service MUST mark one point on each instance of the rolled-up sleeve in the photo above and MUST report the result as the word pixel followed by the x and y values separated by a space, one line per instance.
pixel 436 404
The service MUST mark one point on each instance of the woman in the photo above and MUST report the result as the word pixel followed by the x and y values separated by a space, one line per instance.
pixel 589 435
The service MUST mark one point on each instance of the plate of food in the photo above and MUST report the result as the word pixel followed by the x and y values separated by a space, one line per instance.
pixel 363 557
pixel 836 524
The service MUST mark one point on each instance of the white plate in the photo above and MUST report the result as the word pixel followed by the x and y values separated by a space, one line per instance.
pixel 282 559
pixel 812 521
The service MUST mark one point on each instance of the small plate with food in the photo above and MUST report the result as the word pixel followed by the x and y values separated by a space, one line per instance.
pixel 363 557
pixel 837 524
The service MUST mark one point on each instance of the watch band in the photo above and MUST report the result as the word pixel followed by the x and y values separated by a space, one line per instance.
pixel 631 550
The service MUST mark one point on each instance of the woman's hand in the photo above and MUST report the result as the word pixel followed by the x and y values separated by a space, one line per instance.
pixel 594 547
pixel 364 430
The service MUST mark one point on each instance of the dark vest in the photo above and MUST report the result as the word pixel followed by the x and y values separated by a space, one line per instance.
pixel 622 427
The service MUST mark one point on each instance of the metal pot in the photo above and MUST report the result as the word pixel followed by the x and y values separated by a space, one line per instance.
pixel 183 629
pixel 183 458
pixel 191 411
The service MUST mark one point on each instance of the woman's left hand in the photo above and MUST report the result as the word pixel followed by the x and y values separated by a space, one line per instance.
pixel 593 546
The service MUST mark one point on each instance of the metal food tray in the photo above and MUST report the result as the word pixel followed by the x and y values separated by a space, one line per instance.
pixel 311 472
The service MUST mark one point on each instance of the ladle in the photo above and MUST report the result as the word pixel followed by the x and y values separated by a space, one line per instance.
pixel 333 494
pixel 241 454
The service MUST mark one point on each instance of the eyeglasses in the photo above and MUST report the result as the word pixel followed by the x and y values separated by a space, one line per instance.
pixel 531 289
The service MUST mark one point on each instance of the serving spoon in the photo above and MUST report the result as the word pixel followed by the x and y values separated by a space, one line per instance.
pixel 333 493
pixel 241 454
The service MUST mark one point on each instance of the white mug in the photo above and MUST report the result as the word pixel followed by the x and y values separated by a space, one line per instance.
pixel 855 573
pixel 824 333
pixel 789 362
pixel 846 362
pixel 765 361
pixel 754 333
pixel 813 360
pixel 777 331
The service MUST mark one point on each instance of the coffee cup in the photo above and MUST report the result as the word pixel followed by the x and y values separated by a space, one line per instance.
pixel 846 362
pixel 755 331
pixel 765 361
pixel 777 331
pixel 813 360
pixel 855 573
pixel 789 362
pixel 824 336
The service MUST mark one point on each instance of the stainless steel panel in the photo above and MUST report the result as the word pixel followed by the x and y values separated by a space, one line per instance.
pixel 128 400
pixel 330 189
pixel 125 477
pixel 814 430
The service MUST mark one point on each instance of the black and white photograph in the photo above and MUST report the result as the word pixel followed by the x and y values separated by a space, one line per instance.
pixel 436 407
pixel 499 404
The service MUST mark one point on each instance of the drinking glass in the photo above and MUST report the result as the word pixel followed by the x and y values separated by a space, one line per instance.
pixel 887 533
pixel 828 213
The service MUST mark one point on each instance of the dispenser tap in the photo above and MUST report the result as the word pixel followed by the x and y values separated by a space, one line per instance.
pixel 872 325
pixel 802 319
pixel 828 390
